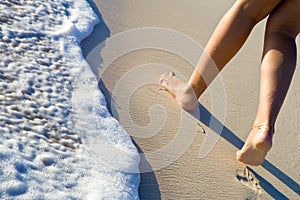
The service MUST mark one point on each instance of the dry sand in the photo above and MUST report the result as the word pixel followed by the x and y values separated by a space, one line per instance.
pixel 218 175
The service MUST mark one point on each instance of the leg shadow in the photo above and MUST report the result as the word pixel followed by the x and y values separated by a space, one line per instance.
pixel 293 185
pixel 268 187
pixel 229 136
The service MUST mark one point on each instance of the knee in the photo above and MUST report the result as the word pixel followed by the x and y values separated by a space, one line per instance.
pixel 283 26
pixel 285 19
pixel 257 9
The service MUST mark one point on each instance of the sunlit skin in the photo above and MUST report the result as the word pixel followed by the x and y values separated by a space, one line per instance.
pixel 277 65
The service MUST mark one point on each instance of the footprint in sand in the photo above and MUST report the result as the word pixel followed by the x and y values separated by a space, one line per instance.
pixel 247 178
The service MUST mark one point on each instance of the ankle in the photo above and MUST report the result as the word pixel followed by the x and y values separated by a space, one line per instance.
pixel 265 127
pixel 197 89
pixel 263 122
pixel 188 99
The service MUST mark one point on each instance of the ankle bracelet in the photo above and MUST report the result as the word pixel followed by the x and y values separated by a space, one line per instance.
pixel 265 124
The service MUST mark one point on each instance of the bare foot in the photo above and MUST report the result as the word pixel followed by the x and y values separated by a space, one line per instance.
pixel 258 143
pixel 180 90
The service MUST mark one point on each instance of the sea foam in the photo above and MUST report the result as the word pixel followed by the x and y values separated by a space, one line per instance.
pixel 53 117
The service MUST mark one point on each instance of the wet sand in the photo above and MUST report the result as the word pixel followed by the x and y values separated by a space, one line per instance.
pixel 169 138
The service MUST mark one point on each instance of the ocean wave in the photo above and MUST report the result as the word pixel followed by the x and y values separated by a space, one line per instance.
pixel 51 109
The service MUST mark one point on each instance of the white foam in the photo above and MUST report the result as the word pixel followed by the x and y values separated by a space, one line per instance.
pixel 51 107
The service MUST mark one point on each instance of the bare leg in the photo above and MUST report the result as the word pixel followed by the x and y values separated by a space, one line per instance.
pixel 277 68
pixel 227 39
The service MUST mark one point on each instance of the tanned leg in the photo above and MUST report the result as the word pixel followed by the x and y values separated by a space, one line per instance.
pixel 277 69
pixel 228 37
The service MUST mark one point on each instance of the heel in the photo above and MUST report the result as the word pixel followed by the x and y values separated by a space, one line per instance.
pixel 264 145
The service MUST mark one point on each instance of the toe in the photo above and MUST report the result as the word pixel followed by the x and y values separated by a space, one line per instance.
pixel 172 74
pixel 163 78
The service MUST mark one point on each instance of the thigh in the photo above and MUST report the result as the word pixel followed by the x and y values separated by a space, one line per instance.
pixel 286 18
pixel 258 9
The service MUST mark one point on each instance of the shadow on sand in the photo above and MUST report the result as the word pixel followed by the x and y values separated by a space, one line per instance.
pixel 230 137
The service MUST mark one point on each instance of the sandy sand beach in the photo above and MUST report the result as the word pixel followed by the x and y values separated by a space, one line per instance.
pixel 129 67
